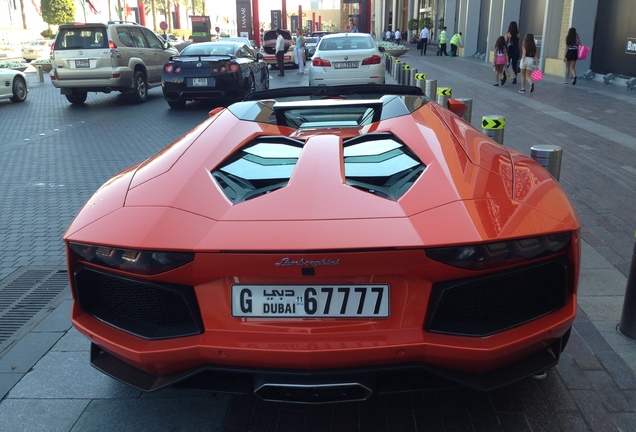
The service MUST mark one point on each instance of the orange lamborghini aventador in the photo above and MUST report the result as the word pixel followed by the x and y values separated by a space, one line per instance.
pixel 323 244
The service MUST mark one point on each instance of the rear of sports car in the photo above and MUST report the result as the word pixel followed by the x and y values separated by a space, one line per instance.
pixel 326 261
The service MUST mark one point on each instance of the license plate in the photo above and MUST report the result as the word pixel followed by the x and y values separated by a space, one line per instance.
pixel 311 301
pixel 84 63
pixel 346 65
pixel 200 82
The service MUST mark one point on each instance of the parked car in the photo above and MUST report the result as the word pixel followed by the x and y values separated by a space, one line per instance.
pixel 13 85
pixel 116 56
pixel 310 46
pixel 224 70
pixel 269 48
pixel 37 50
pixel 321 244
pixel 346 58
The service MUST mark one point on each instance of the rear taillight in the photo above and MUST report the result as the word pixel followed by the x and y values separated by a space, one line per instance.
pixel 112 45
pixel 372 60
pixel 168 69
pixel 317 61
pixel 233 67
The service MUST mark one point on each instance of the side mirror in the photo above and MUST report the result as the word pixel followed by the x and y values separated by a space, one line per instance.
pixel 166 45
pixel 381 49
pixel 259 56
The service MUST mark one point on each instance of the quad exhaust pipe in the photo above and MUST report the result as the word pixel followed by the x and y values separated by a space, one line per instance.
pixel 318 393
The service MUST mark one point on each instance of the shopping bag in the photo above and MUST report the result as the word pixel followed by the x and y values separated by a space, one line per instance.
pixel 510 73
pixel 583 52
pixel 537 75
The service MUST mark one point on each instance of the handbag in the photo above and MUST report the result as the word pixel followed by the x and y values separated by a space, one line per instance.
pixel 583 52
pixel 537 75
pixel 510 73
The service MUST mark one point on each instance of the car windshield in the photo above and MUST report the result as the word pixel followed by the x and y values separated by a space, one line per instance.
pixel 346 43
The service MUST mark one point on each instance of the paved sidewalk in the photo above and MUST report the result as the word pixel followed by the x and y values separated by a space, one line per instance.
pixel 46 382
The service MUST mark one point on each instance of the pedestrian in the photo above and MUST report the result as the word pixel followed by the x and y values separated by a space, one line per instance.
pixel 456 41
pixel 398 36
pixel 512 43
pixel 442 42
pixel 529 61
pixel 572 42
pixel 387 36
pixel 424 35
pixel 299 51
pixel 500 60
pixel 280 52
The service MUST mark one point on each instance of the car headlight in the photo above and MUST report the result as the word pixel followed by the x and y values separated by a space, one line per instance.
pixel 485 256
pixel 130 260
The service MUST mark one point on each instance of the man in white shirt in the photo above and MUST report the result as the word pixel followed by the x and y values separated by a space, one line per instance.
pixel 398 36
pixel 280 52
pixel 424 36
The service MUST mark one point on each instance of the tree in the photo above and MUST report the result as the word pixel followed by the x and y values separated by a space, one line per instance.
pixel 58 12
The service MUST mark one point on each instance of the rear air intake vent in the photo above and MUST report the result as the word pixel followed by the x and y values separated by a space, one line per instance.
pixel 381 164
pixel 260 167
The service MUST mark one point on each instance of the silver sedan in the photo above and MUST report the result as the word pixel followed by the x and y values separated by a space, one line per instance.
pixel 346 59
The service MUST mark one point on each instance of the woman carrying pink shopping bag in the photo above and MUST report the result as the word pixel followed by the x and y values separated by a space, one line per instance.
pixel 529 62
pixel 572 42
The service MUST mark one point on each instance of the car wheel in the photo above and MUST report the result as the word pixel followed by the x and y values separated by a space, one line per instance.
pixel 177 104
pixel 140 94
pixel 77 97
pixel 19 90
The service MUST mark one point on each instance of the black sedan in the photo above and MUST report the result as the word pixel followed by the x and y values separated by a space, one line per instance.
pixel 225 71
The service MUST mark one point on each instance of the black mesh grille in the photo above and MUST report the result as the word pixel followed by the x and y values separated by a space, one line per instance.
pixel 490 304
pixel 149 310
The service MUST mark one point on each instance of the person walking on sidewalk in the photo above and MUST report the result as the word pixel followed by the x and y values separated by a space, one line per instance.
pixel 280 52
pixel 398 36
pixel 424 35
pixel 442 43
pixel 529 62
pixel 512 42
pixel 456 41
pixel 500 60
pixel 572 42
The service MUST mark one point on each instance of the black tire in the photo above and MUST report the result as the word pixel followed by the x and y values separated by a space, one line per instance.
pixel 177 104
pixel 19 89
pixel 140 93
pixel 78 97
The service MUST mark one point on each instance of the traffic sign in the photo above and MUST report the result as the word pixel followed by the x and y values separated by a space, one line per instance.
pixel 163 25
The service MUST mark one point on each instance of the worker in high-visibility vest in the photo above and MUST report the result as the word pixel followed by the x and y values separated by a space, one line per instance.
pixel 442 43
pixel 456 41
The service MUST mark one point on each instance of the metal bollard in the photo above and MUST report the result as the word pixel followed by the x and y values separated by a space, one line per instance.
pixel 40 73
pixel 420 81
pixel 412 74
pixel 549 157
pixel 627 325
pixel 468 115
pixel 405 75
pixel 396 68
pixel 493 127
pixel 443 95
pixel 430 89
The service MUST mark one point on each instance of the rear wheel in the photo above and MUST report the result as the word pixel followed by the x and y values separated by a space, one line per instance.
pixel 177 104
pixel 78 97
pixel 140 94
pixel 19 89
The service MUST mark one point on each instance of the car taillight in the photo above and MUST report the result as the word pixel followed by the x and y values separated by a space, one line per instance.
pixel 317 61
pixel 130 260
pixel 372 60
pixel 168 69
pixel 233 67
pixel 499 254
pixel 112 45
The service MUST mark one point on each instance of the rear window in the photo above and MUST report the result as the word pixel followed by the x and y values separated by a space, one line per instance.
pixel 81 38
pixel 346 43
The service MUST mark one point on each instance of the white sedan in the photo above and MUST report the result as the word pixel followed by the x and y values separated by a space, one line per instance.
pixel 36 50
pixel 346 59
pixel 13 85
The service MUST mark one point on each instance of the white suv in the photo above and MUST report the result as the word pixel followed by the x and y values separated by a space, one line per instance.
pixel 116 56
